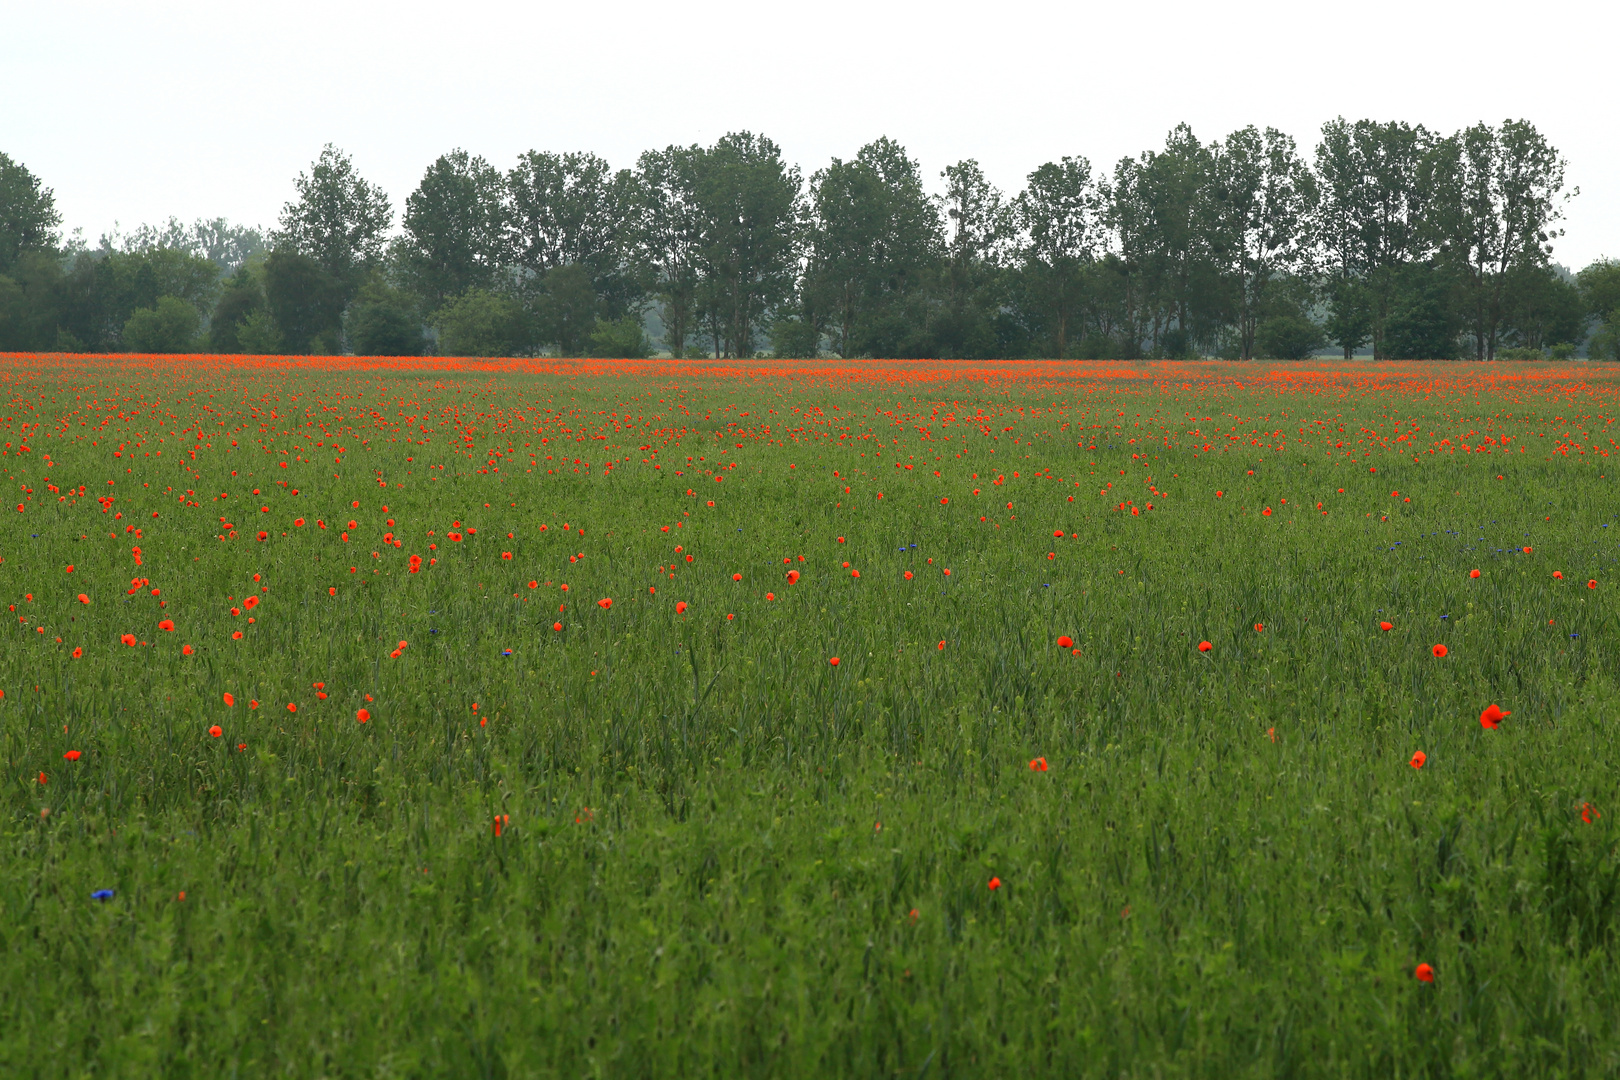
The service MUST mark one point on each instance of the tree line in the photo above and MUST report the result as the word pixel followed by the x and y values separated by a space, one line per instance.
pixel 1386 237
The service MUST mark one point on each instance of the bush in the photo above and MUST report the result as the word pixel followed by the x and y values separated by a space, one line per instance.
pixel 258 335
pixel 622 338
pixel 795 339
pixel 169 327
pixel 482 323
pixel 1288 337
pixel 381 323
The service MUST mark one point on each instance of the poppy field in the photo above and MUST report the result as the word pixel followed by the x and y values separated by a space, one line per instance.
pixel 541 718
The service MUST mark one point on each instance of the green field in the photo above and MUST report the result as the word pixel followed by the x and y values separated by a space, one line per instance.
pixel 718 853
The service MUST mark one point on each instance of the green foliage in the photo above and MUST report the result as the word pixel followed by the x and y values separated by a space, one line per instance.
pixel 795 338
pixel 242 296
pixel 622 338
pixel 1288 337
pixel 1600 287
pixel 567 309
pixel 305 300
pixel 339 220
pixel 453 229
pixel 170 326
pixel 1422 324
pixel 482 323
pixel 258 335
pixel 383 322
pixel 28 215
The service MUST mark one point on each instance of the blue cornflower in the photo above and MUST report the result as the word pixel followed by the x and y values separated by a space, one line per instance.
pixel 102 894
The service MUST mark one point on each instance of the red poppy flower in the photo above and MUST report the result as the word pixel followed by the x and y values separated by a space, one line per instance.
pixel 216 731
pixel 291 707
pixel 1493 715
pixel 1558 575
pixel 770 596
pixel 230 699
pixel 1065 641
pixel 1386 626
pixel 995 883
pixel 251 602
pixel 185 650
pixel 854 573
pixel 1473 573
pixel 363 715
pixel 332 591
pixel 237 636
pixel 77 652
pixel 534 584
pixel 833 661
pixel 263 536
pixel 736 577
pixel 680 607
pixel 908 575
pixel 1038 765
pixel 299 522
pixel 556 626
pixel 166 625
pixel 507 555
pixel 84 599
pixel 128 639
pixel 942 646
pixel 71 755
pixel 1418 759
pixel 1259 627
pixel 1266 512
pixel 1589 813
pixel 1592 584
pixel 793 577
pixel 1424 973
pixel 604 603
pixel 1204 646
pixel 1440 651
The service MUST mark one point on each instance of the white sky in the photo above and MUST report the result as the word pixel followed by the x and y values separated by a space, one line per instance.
pixel 134 112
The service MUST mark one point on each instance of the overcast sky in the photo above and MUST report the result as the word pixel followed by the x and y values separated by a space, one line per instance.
pixel 135 112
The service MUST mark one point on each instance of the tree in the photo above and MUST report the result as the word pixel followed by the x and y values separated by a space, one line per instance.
pixel 1422 322
pixel 1262 195
pixel 1287 337
pixel 1498 210
pixel 751 206
pixel 568 309
pixel 339 220
pixel 453 229
pixel 481 323
pixel 981 229
pixel 573 210
pixel 1059 213
pixel 875 235
pixel 306 302
pixel 1600 291
pixel 668 236
pixel 242 296
pixel 28 216
pixel 1372 218
pixel 1540 309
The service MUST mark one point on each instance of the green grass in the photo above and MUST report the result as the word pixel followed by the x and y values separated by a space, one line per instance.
pixel 1230 868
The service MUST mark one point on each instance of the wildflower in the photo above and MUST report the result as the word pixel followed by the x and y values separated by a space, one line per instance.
pixel 128 639
pixel 291 707
pixel 299 522
pixel 332 591
pixel 1592 584
pixel 1589 813
pixel 1494 714
pixel 236 636
pixel 1473 573
pixel 71 755
pixel 500 822
pixel 908 575
pixel 1266 512
pixel 1204 646
pixel 1558 575
pixel 855 573
pixel 1439 651
pixel 507 555
pixel 604 603
pixel 534 584
pixel 102 894
pixel 83 598
pixel 1424 973
pixel 770 596
pixel 77 652
pixel 1038 765
pixel 1259 627
pixel 216 731
pixel 833 661
pixel 556 626
pixel 185 650
pixel 1386 626
pixel 230 699
pixel 995 883
pixel 942 646
pixel 736 577
pixel 1418 759
pixel 793 577
pixel 1065 641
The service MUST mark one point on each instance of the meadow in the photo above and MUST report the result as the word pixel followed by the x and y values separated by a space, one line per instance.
pixel 443 718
